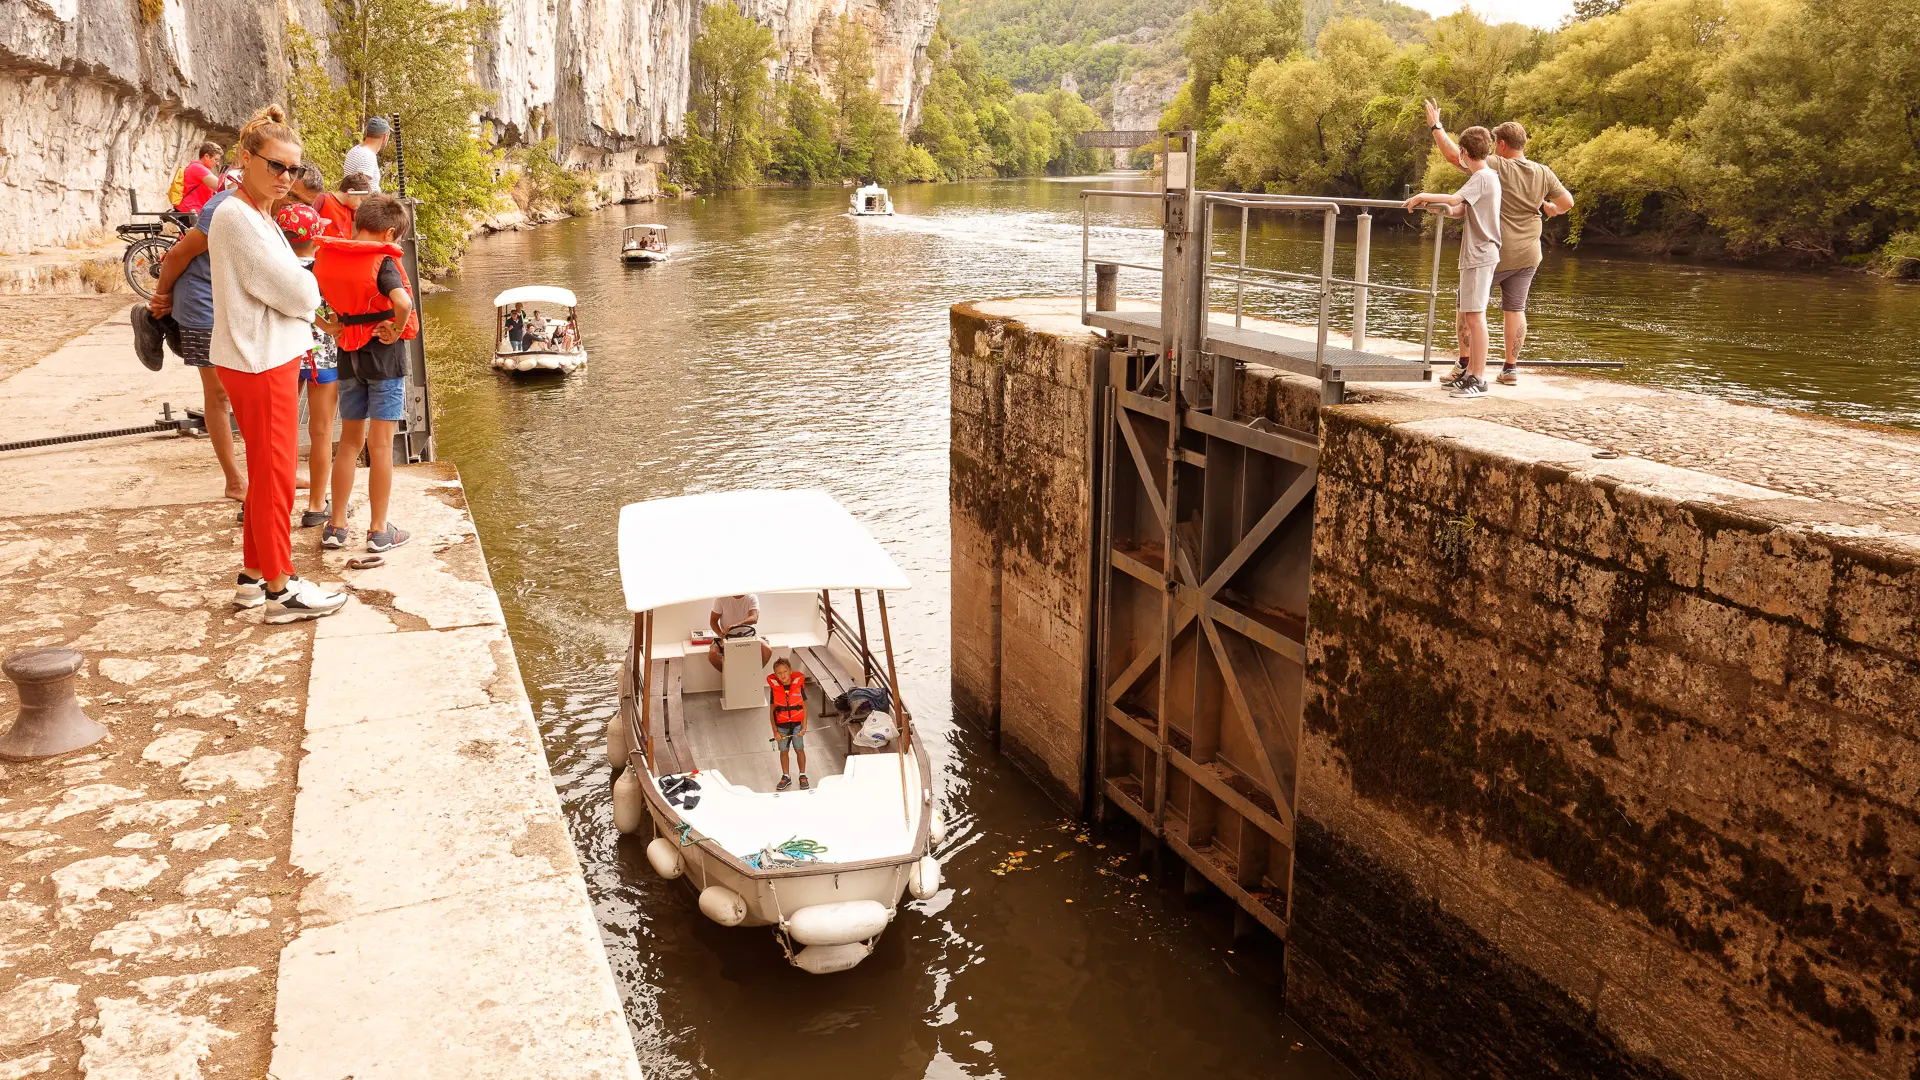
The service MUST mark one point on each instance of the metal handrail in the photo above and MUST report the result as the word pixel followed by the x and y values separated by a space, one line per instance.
pixel 1242 275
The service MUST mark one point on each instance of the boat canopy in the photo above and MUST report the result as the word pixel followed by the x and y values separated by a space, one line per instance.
pixel 630 228
pixel 536 294
pixel 696 547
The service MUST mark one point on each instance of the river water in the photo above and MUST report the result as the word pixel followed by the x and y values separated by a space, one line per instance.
pixel 787 344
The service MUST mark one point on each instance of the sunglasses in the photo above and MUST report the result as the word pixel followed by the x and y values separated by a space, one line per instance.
pixel 277 168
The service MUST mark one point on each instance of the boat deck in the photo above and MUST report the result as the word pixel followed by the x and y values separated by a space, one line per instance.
pixel 698 734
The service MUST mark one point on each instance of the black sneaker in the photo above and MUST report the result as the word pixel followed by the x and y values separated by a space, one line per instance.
pixel 149 338
pixel 1471 388
pixel 785 783
pixel 312 518
pixel 333 538
pixel 1456 380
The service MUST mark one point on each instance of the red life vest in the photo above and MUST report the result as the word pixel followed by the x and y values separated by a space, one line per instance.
pixel 789 701
pixel 339 216
pixel 349 274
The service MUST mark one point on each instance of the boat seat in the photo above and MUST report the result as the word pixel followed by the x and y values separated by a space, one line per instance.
pixel 825 673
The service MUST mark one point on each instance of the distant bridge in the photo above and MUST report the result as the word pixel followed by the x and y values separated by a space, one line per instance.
pixel 1116 140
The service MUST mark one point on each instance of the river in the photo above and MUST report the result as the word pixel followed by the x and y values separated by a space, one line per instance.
pixel 787 344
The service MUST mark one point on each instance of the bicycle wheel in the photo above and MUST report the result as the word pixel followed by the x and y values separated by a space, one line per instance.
pixel 142 263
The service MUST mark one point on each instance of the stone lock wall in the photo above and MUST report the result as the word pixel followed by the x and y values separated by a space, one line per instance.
pixel 1022 541
pixel 1611 767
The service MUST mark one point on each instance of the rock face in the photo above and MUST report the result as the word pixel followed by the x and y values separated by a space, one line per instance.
pixel 1138 102
pixel 99 98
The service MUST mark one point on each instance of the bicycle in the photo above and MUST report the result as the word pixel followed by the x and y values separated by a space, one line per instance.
pixel 147 244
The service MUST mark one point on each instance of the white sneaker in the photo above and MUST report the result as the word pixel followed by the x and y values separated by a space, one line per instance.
pixel 303 600
pixel 248 592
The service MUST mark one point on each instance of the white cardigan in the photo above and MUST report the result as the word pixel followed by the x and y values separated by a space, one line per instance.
pixel 263 299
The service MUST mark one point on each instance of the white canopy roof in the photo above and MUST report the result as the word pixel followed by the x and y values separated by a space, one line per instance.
pixel 697 547
pixel 630 228
pixel 536 294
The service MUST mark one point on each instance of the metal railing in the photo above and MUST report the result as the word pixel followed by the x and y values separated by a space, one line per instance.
pixel 1244 276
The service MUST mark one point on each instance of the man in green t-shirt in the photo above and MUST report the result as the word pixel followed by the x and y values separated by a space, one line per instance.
pixel 1528 190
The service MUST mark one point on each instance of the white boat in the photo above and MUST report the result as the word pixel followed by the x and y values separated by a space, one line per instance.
pixel 644 244
pixel 872 201
pixel 825 867
pixel 546 342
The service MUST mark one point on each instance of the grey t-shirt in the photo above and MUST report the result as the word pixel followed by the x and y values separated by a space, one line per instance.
pixel 1480 246
pixel 193 289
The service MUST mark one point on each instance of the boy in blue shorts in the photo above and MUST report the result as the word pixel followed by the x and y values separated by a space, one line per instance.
pixel 319 375
pixel 361 280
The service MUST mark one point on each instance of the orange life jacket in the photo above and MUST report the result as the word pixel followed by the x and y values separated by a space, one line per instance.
pixel 338 215
pixel 349 272
pixel 789 701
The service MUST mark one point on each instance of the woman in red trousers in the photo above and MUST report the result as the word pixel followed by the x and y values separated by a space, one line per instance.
pixel 263 303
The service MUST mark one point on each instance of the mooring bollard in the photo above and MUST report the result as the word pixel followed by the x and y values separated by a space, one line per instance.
pixel 50 721
pixel 1106 286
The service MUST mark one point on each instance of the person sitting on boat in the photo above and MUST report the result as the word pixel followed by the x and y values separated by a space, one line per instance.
pixel 787 709
pixel 735 616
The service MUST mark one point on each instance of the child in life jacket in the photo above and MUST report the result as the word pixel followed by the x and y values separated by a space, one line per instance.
pixel 361 280
pixel 302 227
pixel 787 708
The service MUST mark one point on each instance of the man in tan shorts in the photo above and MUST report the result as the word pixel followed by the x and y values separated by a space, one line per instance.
pixel 1528 190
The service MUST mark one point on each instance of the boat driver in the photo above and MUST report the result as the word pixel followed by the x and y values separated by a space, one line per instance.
pixel 735 616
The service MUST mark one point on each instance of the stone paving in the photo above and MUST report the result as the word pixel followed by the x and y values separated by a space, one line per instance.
pixel 148 889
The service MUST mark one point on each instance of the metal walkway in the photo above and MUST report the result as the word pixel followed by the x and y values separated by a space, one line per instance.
pixel 1190 269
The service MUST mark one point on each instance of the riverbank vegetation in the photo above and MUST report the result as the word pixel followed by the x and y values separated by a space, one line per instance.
pixel 404 58
pixel 1740 128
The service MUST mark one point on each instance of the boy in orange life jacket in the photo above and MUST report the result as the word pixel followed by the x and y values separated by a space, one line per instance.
pixel 361 280
pixel 787 708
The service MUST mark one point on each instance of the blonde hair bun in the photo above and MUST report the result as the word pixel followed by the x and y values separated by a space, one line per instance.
pixel 269 124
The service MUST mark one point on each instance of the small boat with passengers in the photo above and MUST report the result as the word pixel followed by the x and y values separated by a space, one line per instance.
pixel 872 201
pixel 824 865
pixel 530 336
pixel 643 244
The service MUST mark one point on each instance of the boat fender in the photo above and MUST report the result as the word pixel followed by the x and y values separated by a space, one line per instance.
pixel 629 805
pixel 924 881
pixel 617 745
pixel 827 959
pixel 937 829
pixel 525 364
pixel 838 924
pixel 722 905
pixel 664 855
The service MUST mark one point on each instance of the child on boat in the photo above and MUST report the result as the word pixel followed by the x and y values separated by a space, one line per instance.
pixel 787 709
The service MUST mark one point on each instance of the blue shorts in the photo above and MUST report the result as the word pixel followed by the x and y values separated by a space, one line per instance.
pixel 320 376
pixel 790 737
pixel 381 399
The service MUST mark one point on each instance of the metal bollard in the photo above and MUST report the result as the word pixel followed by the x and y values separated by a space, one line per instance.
pixel 50 721
pixel 1106 286
pixel 1362 253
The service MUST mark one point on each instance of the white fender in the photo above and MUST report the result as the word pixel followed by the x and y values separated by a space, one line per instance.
pixel 838 924
pixel 525 363
pixel 723 905
pixel 664 855
pixel 617 743
pixel 629 805
pixel 924 881
pixel 937 829
pixel 827 959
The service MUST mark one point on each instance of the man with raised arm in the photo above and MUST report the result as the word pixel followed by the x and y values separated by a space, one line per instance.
pixel 1528 190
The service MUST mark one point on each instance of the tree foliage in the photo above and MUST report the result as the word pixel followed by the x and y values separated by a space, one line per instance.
pixel 724 142
pixel 404 58
pixel 1746 127
pixel 973 123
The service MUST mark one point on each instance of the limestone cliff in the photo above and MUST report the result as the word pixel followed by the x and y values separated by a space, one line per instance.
pixel 99 98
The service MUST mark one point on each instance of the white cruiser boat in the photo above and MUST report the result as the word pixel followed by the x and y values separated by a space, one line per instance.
pixel 872 201
pixel 536 330
pixel 825 867
pixel 643 244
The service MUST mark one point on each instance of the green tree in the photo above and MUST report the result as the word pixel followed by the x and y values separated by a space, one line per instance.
pixel 803 146
pixel 404 58
pixel 724 143
pixel 1251 30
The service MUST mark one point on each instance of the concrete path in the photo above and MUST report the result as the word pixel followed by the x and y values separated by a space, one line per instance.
pixel 179 908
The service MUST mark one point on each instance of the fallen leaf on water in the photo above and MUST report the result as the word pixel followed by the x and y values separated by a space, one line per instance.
pixel 1063 855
